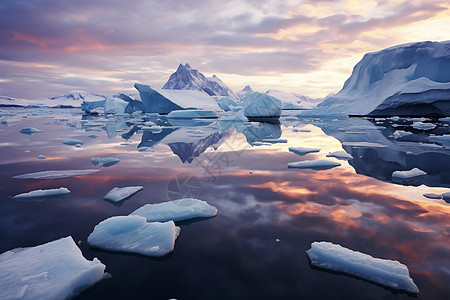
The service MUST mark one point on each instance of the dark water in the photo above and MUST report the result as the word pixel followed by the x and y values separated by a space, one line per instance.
pixel 255 247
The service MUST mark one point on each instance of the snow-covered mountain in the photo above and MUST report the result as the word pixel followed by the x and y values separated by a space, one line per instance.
pixel 72 99
pixel 247 90
pixel 293 100
pixel 409 79
pixel 186 78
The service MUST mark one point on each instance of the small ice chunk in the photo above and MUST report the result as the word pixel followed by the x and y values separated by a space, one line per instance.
pixel 134 234
pixel 423 126
pixel 340 155
pixel 42 156
pixel 72 142
pixel 389 273
pixel 104 161
pixel 43 193
pixel 55 174
pixel 446 197
pixel 432 196
pixel 303 150
pixel 55 270
pixel 251 172
pixel 120 194
pixel 408 174
pixel 314 164
pixel 176 210
pixel 30 130
pixel 277 240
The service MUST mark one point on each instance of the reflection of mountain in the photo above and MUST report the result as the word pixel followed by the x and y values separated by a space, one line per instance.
pixel 386 153
pixel 189 151
pixel 149 138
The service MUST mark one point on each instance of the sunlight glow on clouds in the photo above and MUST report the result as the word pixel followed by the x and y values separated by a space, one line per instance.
pixel 309 47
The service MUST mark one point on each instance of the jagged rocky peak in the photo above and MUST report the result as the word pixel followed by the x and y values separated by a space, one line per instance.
pixel 187 78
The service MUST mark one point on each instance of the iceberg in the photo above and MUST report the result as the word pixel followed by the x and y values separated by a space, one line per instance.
pixel 314 164
pixel 120 194
pixel 446 197
pixel 227 104
pixel 408 174
pixel 72 142
pixel 303 150
pixel 134 234
pixel 163 101
pixel 55 270
pixel 432 196
pixel 261 105
pixel 389 273
pixel 340 155
pixel 115 105
pixel 30 130
pixel 43 193
pixel 410 79
pixel 176 210
pixel 55 174
pixel 104 161
pixel 192 114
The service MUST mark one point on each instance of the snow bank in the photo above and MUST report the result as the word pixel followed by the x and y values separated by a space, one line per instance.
pixel 314 164
pixel 104 161
pixel 261 105
pixel 410 79
pixel 55 174
pixel 134 234
pixel 43 193
pixel 389 273
pixel 120 194
pixel 53 271
pixel 303 150
pixel 408 174
pixel 176 210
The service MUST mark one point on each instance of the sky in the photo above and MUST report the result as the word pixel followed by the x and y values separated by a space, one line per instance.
pixel 51 47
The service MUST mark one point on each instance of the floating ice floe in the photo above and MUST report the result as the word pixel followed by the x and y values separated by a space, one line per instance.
pixel 401 133
pixel 446 197
pixel 314 164
pixel 134 234
pixel 30 130
pixel 340 155
pixel 303 150
pixel 55 270
pixel 176 210
pixel 42 157
pixel 104 161
pixel 432 196
pixel 43 193
pixel 153 128
pixel 408 174
pixel 423 126
pixel 192 114
pixel 56 174
pixel 389 273
pixel 364 144
pixel 261 105
pixel 72 142
pixel 120 194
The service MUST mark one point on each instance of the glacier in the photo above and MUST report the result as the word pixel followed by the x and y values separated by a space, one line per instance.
pixel 176 210
pixel 134 234
pixel 163 101
pixel 389 273
pixel 53 271
pixel 410 79
pixel 42 193
pixel 119 194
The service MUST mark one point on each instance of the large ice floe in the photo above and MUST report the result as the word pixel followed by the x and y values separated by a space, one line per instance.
pixel 134 234
pixel 52 271
pixel 192 114
pixel 261 105
pixel 303 150
pixel 56 174
pixel 385 272
pixel 320 164
pixel 176 210
pixel 410 79
pixel 104 161
pixel 42 193
pixel 164 101
pixel 30 130
pixel 120 194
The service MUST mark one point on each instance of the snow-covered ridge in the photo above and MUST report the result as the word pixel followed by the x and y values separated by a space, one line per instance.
pixel 293 100
pixel 186 78
pixel 410 79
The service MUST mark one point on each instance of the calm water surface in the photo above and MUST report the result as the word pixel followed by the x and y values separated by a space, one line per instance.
pixel 268 214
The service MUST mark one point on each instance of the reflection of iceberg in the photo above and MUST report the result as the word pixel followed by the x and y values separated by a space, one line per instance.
pixel 405 153
pixel 257 132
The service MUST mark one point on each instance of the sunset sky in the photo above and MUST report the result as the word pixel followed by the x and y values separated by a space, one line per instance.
pixel 50 47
